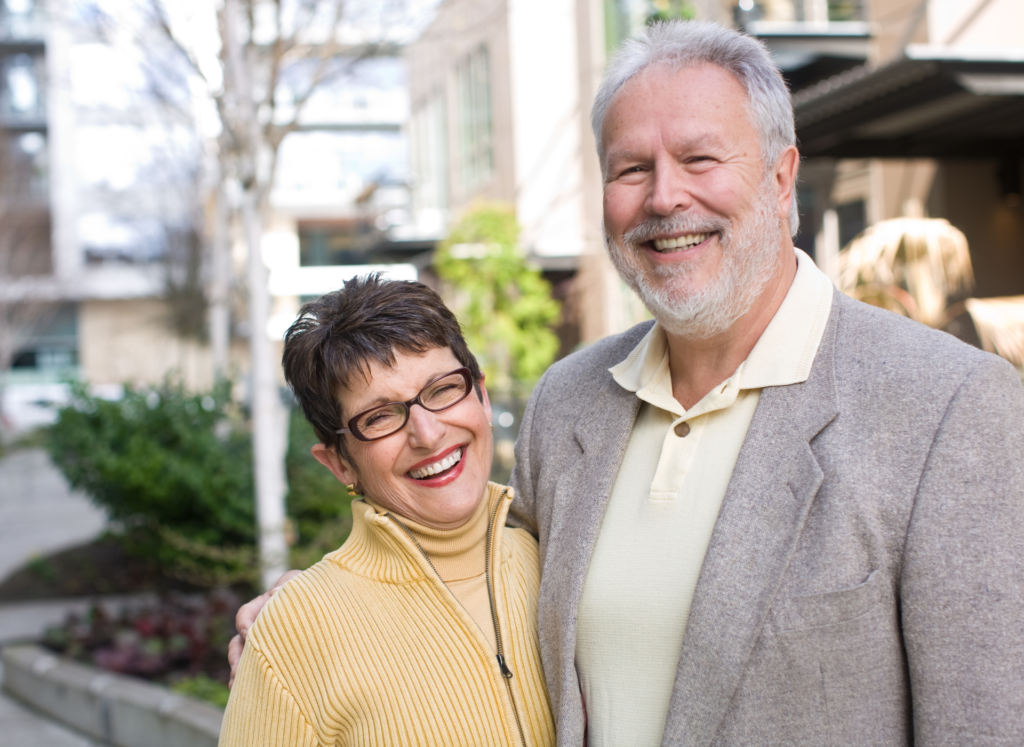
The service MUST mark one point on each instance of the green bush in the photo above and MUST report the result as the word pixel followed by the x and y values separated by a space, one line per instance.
pixel 503 303
pixel 203 687
pixel 174 468
pixel 319 506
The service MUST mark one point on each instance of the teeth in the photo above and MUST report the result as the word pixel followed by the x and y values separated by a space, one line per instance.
pixel 683 242
pixel 432 469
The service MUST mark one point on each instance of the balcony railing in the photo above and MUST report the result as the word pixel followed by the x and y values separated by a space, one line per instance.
pixel 803 16
pixel 22 28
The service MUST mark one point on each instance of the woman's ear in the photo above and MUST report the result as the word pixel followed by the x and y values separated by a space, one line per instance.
pixel 484 399
pixel 333 461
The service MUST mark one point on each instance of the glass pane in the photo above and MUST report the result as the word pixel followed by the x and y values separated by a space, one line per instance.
pixel 444 392
pixel 382 421
pixel 22 88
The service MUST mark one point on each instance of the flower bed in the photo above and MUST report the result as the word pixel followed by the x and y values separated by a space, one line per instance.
pixel 180 642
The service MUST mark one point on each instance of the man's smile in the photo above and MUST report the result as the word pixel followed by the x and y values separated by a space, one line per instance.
pixel 679 243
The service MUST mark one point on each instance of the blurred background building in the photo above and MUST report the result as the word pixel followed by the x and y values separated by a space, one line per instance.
pixel 904 108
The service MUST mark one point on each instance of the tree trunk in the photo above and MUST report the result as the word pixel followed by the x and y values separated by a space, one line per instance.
pixel 220 276
pixel 6 357
pixel 269 436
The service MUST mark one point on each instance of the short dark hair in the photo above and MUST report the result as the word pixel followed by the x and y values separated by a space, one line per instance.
pixel 366 321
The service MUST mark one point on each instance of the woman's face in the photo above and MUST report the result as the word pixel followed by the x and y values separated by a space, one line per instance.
pixel 383 468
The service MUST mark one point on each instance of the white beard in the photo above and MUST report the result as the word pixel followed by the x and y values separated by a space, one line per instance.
pixel 750 252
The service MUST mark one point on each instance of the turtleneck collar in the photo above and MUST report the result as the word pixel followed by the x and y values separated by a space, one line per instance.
pixel 457 554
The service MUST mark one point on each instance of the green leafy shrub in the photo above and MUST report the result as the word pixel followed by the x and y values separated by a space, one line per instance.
pixel 320 508
pixel 504 304
pixel 174 468
pixel 670 10
pixel 203 687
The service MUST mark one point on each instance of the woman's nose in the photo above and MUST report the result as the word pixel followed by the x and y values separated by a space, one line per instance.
pixel 425 427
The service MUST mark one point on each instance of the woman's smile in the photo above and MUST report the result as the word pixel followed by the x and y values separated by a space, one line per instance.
pixel 441 467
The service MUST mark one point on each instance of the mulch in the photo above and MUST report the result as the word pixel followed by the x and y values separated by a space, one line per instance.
pixel 98 568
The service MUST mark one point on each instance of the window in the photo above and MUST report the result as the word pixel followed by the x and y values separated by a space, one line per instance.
pixel 22 95
pixel 476 155
pixel 340 243
pixel 852 220
pixel 51 348
pixel 21 19
pixel 428 132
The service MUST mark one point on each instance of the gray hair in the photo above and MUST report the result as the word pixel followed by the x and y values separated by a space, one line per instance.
pixel 682 44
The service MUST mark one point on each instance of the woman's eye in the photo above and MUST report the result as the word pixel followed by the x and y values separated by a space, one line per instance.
pixel 442 393
pixel 375 419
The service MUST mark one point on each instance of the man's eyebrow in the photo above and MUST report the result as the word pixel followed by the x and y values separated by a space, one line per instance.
pixel 625 154
pixel 697 142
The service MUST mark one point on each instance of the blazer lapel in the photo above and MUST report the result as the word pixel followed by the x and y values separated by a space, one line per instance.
pixel 602 434
pixel 581 496
pixel 773 484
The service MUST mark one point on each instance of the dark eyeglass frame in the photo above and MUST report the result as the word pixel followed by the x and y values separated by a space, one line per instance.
pixel 353 431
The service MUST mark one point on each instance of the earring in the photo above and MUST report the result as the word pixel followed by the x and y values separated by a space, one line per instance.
pixel 353 488
pixel 492 426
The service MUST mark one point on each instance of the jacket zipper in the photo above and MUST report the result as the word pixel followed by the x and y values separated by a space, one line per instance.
pixel 506 673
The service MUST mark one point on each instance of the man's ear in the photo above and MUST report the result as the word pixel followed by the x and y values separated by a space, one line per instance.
pixel 333 461
pixel 785 180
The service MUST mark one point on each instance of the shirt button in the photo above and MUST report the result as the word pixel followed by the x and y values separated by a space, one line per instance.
pixel 682 430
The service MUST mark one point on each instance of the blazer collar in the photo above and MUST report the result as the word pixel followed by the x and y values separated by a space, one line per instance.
pixel 773 484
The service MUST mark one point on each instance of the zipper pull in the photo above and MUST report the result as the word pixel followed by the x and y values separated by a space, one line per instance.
pixel 505 671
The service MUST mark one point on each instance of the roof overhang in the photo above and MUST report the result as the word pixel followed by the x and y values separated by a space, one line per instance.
pixel 935 102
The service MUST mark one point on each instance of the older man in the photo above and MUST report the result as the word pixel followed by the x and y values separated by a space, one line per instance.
pixel 775 515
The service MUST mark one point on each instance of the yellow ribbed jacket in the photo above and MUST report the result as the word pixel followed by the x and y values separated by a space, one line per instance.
pixel 368 647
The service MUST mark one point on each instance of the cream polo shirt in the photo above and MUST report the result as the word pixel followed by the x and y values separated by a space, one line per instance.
pixel 656 528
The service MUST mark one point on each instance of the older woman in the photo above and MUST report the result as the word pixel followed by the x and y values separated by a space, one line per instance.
pixel 421 628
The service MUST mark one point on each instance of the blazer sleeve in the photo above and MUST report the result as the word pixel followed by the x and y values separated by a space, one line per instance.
pixel 962 582
pixel 261 711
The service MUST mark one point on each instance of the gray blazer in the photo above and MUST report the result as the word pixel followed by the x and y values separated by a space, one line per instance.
pixel 864 584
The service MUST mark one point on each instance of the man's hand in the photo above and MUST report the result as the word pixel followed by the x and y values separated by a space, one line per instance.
pixel 246 616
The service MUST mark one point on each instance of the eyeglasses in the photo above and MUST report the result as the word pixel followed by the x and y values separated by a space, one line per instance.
pixel 443 392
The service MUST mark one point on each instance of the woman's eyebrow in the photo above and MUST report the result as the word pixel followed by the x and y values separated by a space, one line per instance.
pixel 385 399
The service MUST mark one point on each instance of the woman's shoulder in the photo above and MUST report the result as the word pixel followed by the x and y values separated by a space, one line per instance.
pixel 520 538
pixel 520 548
pixel 301 601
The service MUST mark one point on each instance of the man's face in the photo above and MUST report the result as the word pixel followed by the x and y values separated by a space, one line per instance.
pixel 693 220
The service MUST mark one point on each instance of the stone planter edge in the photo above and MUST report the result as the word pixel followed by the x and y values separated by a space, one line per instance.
pixel 119 710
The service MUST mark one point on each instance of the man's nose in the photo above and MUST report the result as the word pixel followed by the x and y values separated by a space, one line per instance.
pixel 425 427
pixel 670 191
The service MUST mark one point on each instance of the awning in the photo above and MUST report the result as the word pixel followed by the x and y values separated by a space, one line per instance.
pixel 936 102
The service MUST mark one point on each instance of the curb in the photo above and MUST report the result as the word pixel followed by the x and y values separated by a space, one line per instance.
pixel 121 711
pixel 22 622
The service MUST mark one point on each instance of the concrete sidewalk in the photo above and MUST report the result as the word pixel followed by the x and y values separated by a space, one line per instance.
pixel 39 514
pixel 22 727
